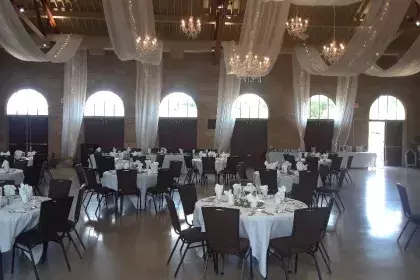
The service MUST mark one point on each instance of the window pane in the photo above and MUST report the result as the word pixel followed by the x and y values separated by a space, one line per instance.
pixel 178 105
pixel 400 111
pixel 387 107
pixel 104 103
pixel 374 110
pixel 249 106
pixel 27 102
pixel 321 107
pixel 383 108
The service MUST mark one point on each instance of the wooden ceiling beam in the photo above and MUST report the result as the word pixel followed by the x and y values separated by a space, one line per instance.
pixel 27 21
pixel 220 22
pixel 50 16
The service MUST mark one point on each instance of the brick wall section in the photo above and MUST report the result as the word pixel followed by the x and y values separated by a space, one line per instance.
pixel 195 75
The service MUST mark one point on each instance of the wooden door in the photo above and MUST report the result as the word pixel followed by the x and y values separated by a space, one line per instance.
pixel 18 133
pixel 104 132
pixel 393 143
pixel 38 134
pixel 28 133
pixel 319 133
pixel 249 141
pixel 177 133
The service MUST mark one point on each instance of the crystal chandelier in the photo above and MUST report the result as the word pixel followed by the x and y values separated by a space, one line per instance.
pixel 193 27
pixel 251 68
pixel 333 52
pixel 146 46
pixel 296 27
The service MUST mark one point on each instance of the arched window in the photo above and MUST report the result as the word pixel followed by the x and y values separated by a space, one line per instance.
pixel 250 106
pixel 387 107
pixel 27 102
pixel 104 104
pixel 321 107
pixel 178 105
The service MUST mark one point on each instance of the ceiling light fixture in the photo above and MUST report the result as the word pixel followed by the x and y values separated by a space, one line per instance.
pixel 333 52
pixel 22 9
pixel 297 27
pixel 192 28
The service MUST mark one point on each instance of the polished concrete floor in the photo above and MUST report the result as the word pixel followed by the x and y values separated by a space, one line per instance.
pixel 361 241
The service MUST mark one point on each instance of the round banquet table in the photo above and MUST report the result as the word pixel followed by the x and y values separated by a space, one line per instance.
pixel 219 164
pixel 258 226
pixel 13 174
pixel 17 218
pixel 144 181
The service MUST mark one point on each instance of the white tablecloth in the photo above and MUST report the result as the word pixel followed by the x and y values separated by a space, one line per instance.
pixel 13 174
pixel 219 164
pixel 14 220
pixel 258 228
pixel 169 158
pixel 282 180
pixel 144 181
pixel 360 159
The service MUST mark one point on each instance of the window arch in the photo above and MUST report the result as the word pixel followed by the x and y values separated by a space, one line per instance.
pixel 321 107
pixel 250 106
pixel 387 107
pixel 27 102
pixel 178 105
pixel 104 104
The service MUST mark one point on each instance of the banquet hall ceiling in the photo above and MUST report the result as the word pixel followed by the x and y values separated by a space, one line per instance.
pixel 86 17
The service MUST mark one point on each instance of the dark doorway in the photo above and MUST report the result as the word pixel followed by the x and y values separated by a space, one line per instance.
pixel 28 133
pixel 104 132
pixel 178 133
pixel 393 143
pixel 249 141
pixel 319 133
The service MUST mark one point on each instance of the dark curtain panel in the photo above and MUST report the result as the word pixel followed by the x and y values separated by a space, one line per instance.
pixel 393 143
pixel 249 141
pixel 178 133
pixel 26 132
pixel 319 133
pixel 104 132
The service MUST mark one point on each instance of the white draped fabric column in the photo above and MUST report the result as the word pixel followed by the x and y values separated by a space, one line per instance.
pixel 74 97
pixel 148 89
pixel 15 39
pixel 301 88
pixel 229 88
pixel 344 106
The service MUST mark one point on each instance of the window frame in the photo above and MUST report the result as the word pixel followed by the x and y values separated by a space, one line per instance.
pixel 184 97
pixel 261 102
pixel 104 104
pixel 23 91
pixel 330 115
pixel 398 104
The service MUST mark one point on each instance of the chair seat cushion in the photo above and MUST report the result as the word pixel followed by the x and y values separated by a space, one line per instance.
pixel 31 238
pixel 192 234
pixel 104 190
pixel 415 219
pixel 326 190
pixel 156 190
pixel 286 246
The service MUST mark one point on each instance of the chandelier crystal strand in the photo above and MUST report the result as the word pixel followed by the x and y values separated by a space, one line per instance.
pixel 297 27
pixel 193 28
pixel 333 52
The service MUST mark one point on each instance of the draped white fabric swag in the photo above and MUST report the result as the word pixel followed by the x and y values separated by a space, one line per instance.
pixel 228 92
pixel 74 97
pixel 301 90
pixel 366 46
pixel 148 90
pixel 126 20
pixel 15 39
pixel 318 2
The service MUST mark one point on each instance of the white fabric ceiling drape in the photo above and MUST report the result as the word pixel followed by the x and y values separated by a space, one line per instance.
pixel 344 106
pixel 318 2
pixel 301 88
pixel 148 90
pixel 16 40
pixel 366 46
pixel 228 92
pixel 126 20
pixel 74 98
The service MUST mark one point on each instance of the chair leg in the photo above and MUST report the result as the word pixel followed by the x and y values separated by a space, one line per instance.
pixel 339 198
pixel 74 244
pixel 182 259
pixel 87 205
pixel 296 262
pixel 182 246
pixel 242 270
pixel 205 268
pixel 409 239
pixel 1 266
pixel 286 268
pixel 223 264
pixel 154 202
pixel 65 255
pixel 317 267
pixel 12 270
pixel 325 251
pixel 173 250
pixel 325 261
pixel 403 230
pixel 251 272
pixel 33 264
pixel 338 207
pixel 80 239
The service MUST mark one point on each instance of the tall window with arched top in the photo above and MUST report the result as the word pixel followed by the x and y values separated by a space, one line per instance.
pixel 387 107
pixel 178 105
pixel 104 104
pixel 27 111
pixel 27 102
pixel 104 122
pixel 321 107
pixel 178 122
pixel 250 106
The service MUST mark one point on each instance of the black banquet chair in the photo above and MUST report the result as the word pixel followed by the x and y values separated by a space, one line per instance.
pixel 412 218
pixel 164 182
pixel 324 192
pixel 59 188
pixel 188 196
pixel 269 177
pixel 208 168
pixel 127 185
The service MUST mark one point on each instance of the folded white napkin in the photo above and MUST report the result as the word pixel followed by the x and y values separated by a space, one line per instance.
pixel 98 149
pixel 154 167
pixel 114 150
pixel 285 166
pixel 249 188
pixel 237 189
pixel 252 200
pixel 25 192
pixel 317 154
pixel 201 154
pixel 19 154
pixel 229 196
pixel 280 195
pixel 306 154
pixel 5 154
pixel 300 166
pixel 149 151
pixel 264 189
pixel 128 150
pixel 134 154
pixel 193 151
pixel 272 165
pixel 9 190
pixel 5 165
pixel 31 154
pixel 118 165
pixel 113 154
pixel 181 151
pixel 148 162
pixel 126 165
pixel 212 154
pixel 163 150
pixel 218 189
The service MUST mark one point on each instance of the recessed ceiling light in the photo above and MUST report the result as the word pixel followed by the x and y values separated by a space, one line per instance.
pixel 44 45
pixel 418 22
pixel 22 9
pixel 229 16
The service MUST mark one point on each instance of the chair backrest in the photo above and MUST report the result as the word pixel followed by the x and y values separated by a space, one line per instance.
pixel 336 163
pixel 59 188
pixel 32 174
pixel 173 213
pixel 127 181
pixel 302 193
pixel 340 180
pixel 92 182
pixel 81 176
pixel 188 161
pixel 349 162
pixel 312 163
pixel 222 239
pixel 331 156
pixel 269 177
pixel 39 159
pixel 175 167
pixel 404 200
pixel 188 195
pixel 107 163
pixel 240 167
pixel 79 202
pixel 164 179
pixel 53 217
pixel 308 227
pixel 309 179
pixel 324 170
pixel 160 159
pixel 20 164
pixel 44 165
pixel 231 163
pixel 208 163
